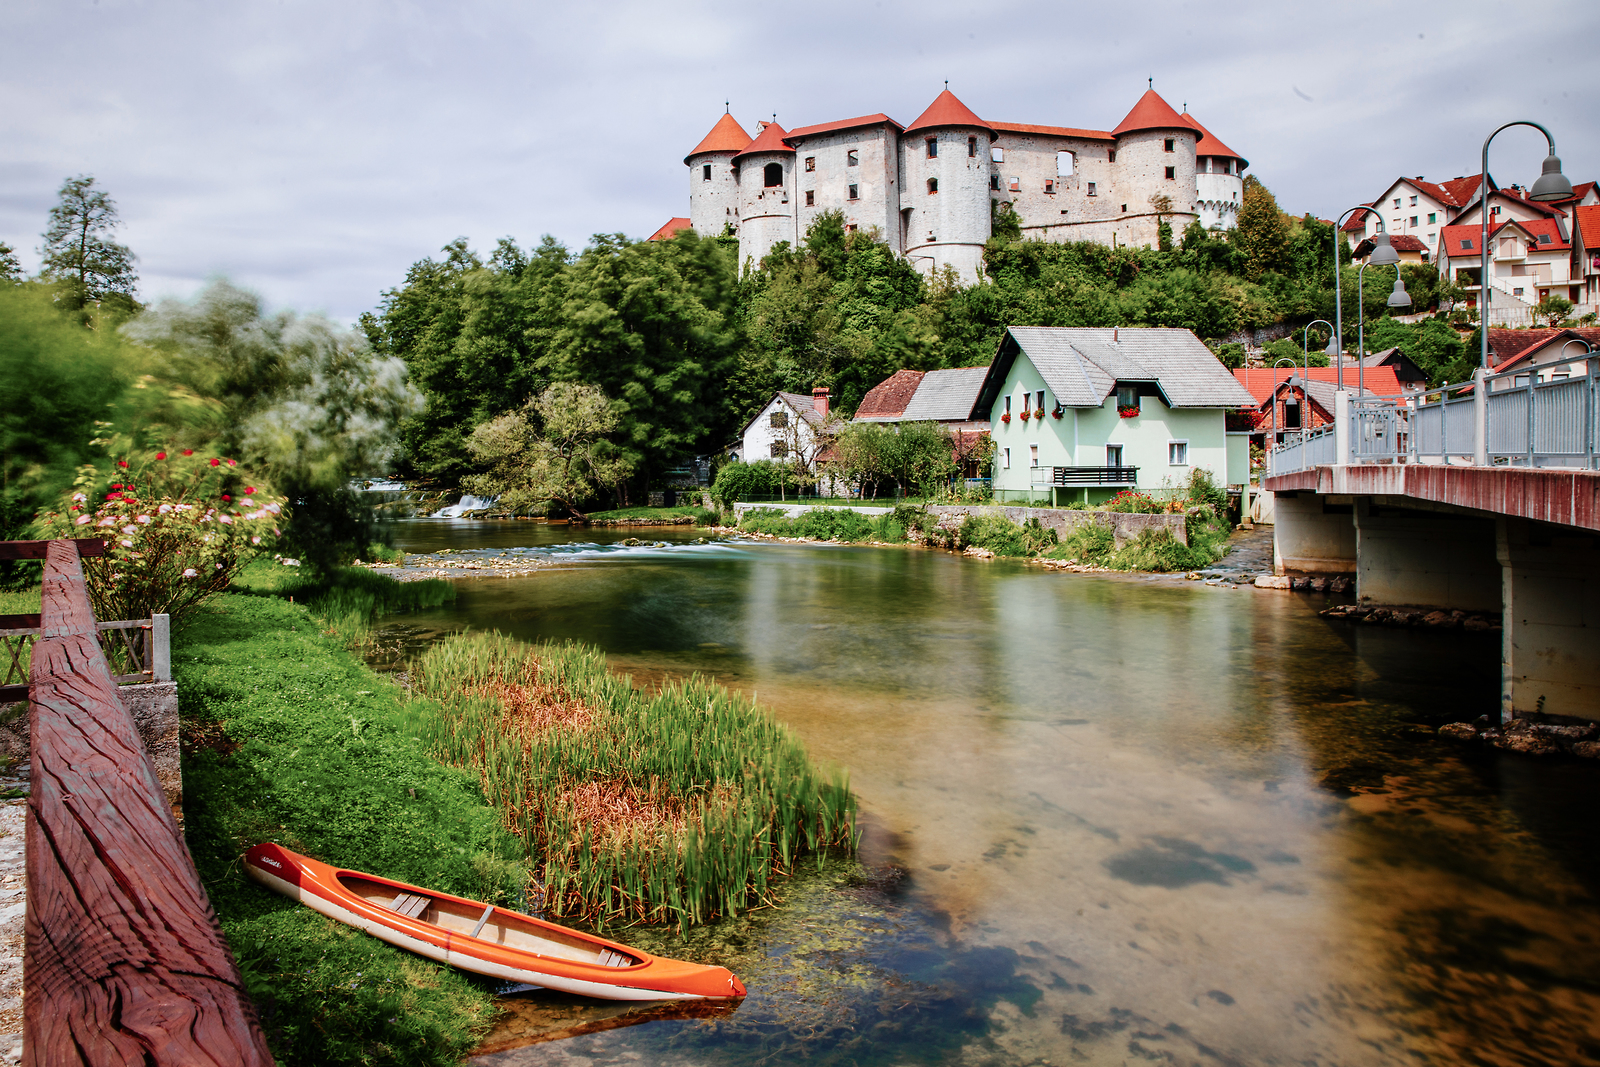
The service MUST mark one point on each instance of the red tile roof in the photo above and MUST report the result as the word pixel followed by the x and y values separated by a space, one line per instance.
pixel 1052 131
pixel 1461 241
pixel 1214 147
pixel 1152 113
pixel 1547 232
pixel 1509 346
pixel 842 124
pixel 770 139
pixel 1461 190
pixel 946 110
pixel 1404 242
pixel 1452 238
pixel 1357 223
pixel 1586 221
pixel 890 396
pixel 726 136
pixel 670 230
pixel 1260 381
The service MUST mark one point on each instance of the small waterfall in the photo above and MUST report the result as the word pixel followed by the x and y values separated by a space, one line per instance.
pixel 467 503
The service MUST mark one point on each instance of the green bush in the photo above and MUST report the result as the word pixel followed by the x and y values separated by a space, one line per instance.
pixel 1003 537
pixel 1090 543
pixel 1157 550
pixel 822 524
pixel 741 481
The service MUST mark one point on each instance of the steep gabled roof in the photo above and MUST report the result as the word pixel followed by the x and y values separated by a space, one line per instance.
pixel 670 230
pixel 1586 221
pixel 1052 131
pixel 1082 366
pixel 1213 146
pixel 770 139
pixel 1460 241
pixel 947 395
pixel 1461 191
pixel 726 136
pixel 887 400
pixel 1357 222
pixel 1153 113
pixel 880 119
pixel 946 110
pixel 1547 234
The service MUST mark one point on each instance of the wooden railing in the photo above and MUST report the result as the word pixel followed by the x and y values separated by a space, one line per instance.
pixel 124 960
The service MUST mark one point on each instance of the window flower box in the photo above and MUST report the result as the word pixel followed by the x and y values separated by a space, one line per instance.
pixel 1006 417
pixel 1059 411
pixel 1130 412
pixel 1026 415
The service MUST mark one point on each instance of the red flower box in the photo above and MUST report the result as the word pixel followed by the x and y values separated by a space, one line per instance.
pixel 1128 412
pixel 1006 417
pixel 1025 416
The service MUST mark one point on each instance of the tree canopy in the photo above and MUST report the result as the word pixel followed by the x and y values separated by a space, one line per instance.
pixel 78 250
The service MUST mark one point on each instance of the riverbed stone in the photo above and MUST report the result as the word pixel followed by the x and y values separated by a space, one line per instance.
pixel 1459 731
pixel 1272 581
pixel 1587 749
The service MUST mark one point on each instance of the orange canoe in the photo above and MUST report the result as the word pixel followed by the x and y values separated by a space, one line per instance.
pixel 484 939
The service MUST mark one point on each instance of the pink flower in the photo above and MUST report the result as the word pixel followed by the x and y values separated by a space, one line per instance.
pixel 249 489
pixel 130 529
pixel 255 540
pixel 109 520
pixel 126 544
pixel 190 572
pixel 163 509
pixel 161 455
pixel 145 519
pixel 84 520
pixel 79 497
pixel 226 520
pixel 233 463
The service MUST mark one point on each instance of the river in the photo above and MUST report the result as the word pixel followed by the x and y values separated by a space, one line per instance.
pixel 1109 820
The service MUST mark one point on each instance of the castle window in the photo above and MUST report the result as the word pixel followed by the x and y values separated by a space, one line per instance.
pixel 1169 143
pixel 852 158
pixel 1124 209
pixel 972 146
pixel 1064 162
pixel 1111 156
pixel 933 185
pixel 811 198
pixel 1015 183
pixel 994 181
pixel 1050 185
pixel 855 192
pixel 933 147
pixel 705 173
pixel 1091 189
pixel 1172 172
pixel 997 154
pixel 772 175
pixel 811 163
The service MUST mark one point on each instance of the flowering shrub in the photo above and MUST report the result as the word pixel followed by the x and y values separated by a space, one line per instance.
pixel 1131 411
pixel 177 527
pixel 1133 502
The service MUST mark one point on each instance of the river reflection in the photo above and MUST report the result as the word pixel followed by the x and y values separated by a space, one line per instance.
pixel 1141 821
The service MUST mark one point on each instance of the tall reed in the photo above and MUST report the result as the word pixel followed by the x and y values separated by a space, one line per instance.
pixel 676 807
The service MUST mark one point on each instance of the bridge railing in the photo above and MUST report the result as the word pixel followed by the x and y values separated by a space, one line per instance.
pixel 1509 420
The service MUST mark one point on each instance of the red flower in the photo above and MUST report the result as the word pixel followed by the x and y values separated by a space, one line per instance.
pixel 1006 417
pixel 122 463
pixel 161 455
pixel 216 462
pixel 225 496
pixel 188 451
pixel 113 496
pixel 233 463
pixel 116 485
pixel 249 489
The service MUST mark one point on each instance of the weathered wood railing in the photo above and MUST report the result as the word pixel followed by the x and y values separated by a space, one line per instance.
pixel 124 959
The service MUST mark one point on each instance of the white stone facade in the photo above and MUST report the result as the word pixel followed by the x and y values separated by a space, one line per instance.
pixel 936 208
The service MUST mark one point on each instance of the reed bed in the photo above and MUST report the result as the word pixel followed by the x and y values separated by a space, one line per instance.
pixel 677 807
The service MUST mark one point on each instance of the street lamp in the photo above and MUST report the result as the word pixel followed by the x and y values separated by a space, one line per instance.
pixel 1383 254
pixel 1273 401
pixel 1397 299
pixel 1552 185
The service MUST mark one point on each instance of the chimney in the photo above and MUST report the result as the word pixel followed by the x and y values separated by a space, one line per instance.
pixel 819 400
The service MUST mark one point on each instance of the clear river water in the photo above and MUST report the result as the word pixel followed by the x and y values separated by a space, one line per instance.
pixel 1109 820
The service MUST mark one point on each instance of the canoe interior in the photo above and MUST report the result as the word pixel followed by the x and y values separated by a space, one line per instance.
pixel 505 928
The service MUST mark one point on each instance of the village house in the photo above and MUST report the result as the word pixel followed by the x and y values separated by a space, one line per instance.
pixel 1289 399
pixel 1547 355
pixel 1080 414
pixel 789 424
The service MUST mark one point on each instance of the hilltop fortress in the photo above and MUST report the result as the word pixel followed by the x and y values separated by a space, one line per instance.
pixel 927 188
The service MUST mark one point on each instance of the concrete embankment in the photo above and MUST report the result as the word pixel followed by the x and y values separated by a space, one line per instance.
pixel 1124 527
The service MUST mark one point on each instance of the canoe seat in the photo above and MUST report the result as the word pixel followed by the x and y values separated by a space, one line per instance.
pixel 613 959
pixel 410 905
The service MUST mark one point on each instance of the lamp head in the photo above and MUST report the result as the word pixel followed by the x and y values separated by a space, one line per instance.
pixel 1383 253
pixel 1399 298
pixel 1333 347
pixel 1552 184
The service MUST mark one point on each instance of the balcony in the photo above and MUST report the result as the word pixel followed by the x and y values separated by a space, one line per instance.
pixel 1081 476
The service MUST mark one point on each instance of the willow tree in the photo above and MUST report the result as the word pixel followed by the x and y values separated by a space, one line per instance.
pixel 556 449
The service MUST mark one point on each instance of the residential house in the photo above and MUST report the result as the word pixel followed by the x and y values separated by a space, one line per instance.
pixel 1508 346
pixel 1553 355
pixel 786 424
pixel 1409 375
pixel 1528 260
pixel 1411 249
pixel 1081 413
pixel 1288 398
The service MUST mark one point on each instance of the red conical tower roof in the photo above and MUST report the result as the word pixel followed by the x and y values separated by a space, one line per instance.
pixel 726 136
pixel 1152 113
pixel 946 110
pixel 1213 147
pixel 770 139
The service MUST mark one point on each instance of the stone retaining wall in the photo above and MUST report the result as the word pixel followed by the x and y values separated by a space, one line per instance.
pixel 1124 528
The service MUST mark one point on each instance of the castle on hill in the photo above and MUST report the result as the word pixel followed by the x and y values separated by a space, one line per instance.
pixel 929 189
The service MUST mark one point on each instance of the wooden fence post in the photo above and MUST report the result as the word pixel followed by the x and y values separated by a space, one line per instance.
pixel 124 960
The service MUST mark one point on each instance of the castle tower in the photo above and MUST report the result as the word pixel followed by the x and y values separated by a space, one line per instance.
pixel 1219 179
pixel 764 211
pixel 944 188
pixel 713 182
pixel 1155 157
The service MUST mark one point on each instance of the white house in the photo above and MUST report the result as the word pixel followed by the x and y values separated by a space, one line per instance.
pixel 1080 414
pixel 786 423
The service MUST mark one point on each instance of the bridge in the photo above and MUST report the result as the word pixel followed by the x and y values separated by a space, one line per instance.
pixel 1482 496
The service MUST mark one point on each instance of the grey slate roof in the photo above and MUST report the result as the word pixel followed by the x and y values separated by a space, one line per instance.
pixel 1082 365
pixel 805 405
pixel 945 395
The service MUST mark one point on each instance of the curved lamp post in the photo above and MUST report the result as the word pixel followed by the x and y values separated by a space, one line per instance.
pixel 1332 352
pixel 1552 185
pixel 1383 254
pixel 1399 298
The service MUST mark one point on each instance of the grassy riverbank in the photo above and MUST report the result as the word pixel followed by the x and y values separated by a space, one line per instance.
pixel 288 736
pixel 676 807
pixel 693 515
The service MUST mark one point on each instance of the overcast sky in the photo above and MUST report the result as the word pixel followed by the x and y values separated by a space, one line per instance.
pixel 313 151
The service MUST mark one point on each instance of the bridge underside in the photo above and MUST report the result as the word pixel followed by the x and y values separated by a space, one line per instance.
pixel 1522 542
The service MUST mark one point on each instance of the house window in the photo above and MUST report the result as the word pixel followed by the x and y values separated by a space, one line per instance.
pixel 997 154
pixel 1430 238
pixel 1033 455
pixel 1050 185
pixel 1127 396
pixel 779 449
pixel 852 158
pixel 933 147
pixel 994 182
pixel 1177 453
pixel 1433 218
pixel 1494 210
pixel 1091 188
pixel 1039 402
pixel 1113 455
pixel 1015 183
pixel 1064 163
pixel 1005 458
pixel 772 175
pixel 972 147
pixel 779 420
pixel 1124 209
pixel 1397 201
pixel 1544 238
pixel 933 185
pixel 1172 172
pixel 811 198
pixel 1466 242
pixel 1516 292
pixel 1291 413
pixel 1026 399
pixel 1111 156
pixel 705 173
pixel 811 163
pixel 855 192
pixel 1008 405
pixel 1168 144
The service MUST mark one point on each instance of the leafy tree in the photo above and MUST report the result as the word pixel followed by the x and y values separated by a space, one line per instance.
pixel 78 249
pixel 10 266
pixel 1262 234
pixel 1553 310
pixel 555 450
pixel 1433 345
pixel 1231 355
pixel 1004 222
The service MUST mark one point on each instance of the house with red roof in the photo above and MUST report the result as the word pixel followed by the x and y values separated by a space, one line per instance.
pixel 929 189
pixel 1528 260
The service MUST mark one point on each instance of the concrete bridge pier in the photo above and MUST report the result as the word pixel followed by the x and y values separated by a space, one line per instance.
pixel 1312 535
pixel 1425 558
pixel 1550 659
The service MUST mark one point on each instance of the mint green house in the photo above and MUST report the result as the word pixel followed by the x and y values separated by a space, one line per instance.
pixel 1081 414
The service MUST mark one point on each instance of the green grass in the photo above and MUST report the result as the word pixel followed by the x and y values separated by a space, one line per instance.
pixel 676 807
pixel 20 601
pixel 700 516
pixel 290 737
pixel 826 524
